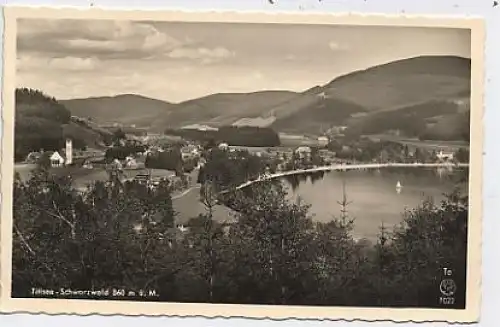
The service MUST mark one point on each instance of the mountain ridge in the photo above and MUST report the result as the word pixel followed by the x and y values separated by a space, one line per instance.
pixel 390 86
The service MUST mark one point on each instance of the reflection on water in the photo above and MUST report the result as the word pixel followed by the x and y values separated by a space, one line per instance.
pixel 295 180
pixel 374 194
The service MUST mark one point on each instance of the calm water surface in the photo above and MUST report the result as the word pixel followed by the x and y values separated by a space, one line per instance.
pixel 373 194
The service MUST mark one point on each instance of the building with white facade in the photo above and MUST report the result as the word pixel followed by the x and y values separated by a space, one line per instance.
pixel 223 146
pixel 323 140
pixel 69 152
pixel 303 152
pixel 56 160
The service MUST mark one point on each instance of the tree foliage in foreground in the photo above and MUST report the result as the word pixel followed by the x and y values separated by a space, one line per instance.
pixel 270 252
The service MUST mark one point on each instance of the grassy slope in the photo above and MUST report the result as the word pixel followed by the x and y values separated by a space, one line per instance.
pixel 320 115
pixel 91 137
pixel 404 82
pixel 405 94
pixel 422 83
pixel 224 108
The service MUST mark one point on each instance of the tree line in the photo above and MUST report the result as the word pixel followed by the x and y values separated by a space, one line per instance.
pixel 418 121
pixel 366 150
pixel 229 169
pixel 233 135
pixel 123 236
pixel 41 123
pixel 38 123
pixel 171 159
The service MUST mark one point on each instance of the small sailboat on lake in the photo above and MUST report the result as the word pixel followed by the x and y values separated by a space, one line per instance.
pixel 399 187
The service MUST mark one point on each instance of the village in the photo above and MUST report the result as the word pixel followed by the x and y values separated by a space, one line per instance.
pixel 138 157
pixel 90 165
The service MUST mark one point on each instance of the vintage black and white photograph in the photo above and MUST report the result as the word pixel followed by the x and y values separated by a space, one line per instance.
pixel 248 163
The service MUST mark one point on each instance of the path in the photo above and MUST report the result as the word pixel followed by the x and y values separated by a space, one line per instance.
pixel 343 167
pixel 185 192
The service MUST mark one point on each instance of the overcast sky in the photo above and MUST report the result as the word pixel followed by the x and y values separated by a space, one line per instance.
pixel 181 61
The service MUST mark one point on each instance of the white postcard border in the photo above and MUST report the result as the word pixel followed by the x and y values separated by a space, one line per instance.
pixel 86 307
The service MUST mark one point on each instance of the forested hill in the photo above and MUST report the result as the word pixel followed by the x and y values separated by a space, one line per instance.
pixel 425 97
pixel 42 122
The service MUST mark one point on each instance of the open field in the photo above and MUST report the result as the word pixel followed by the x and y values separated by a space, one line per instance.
pixel 290 140
pixel 427 144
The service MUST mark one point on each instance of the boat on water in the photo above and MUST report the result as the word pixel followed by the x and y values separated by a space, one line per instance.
pixel 399 187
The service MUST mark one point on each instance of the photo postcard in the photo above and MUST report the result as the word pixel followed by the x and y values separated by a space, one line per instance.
pixel 232 164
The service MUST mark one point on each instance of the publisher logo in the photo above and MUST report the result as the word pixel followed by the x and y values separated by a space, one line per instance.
pixel 448 287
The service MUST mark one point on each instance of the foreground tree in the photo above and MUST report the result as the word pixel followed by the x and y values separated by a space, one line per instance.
pixel 271 243
pixel 111 235
pixel 122 235
pixel 431 238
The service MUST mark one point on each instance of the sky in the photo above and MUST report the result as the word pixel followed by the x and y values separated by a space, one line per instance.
pixel 178 61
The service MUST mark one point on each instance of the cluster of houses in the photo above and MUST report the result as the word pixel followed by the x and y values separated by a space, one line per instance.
pixel 130 162
pixel 66 157
pixel 190 151
pixel 304 154
pixel 88 158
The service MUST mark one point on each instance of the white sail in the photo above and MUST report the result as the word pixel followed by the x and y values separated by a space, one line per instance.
pixel 398 187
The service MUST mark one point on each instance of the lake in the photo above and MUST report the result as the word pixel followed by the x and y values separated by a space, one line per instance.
pixel 372 194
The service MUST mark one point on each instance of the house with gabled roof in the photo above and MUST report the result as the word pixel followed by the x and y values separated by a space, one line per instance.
pixel 56 160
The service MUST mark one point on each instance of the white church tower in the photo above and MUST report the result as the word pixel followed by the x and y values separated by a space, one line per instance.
pixel 69 152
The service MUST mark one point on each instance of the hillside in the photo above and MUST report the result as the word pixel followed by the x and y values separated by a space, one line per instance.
pixel 125 109
pixel 404 82
pixel 416 92
pixel 216 109
pixel 425 83
pixel 412 95
pixel 224 108
pixel 42 122
pixel 319 116
pixel 434 119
